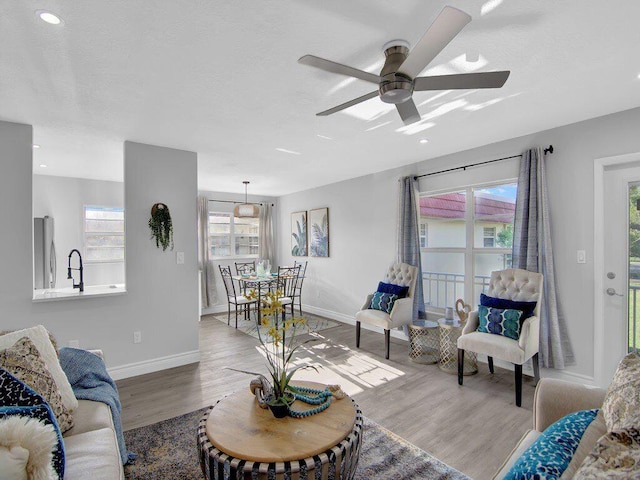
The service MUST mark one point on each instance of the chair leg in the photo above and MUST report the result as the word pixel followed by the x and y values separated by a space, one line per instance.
pixel 300 304
pixel 460 365
pixel 357 334
pixel 236 315
pixel 536 368
pixel 518 371
pixel 490 360
pixel 387 341
pixel 228 313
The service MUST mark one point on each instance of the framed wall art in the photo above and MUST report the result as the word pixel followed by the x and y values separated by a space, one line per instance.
pixel 319 232
pixel 299 234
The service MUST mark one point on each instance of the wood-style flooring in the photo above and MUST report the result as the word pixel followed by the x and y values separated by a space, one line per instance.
pixel 472 428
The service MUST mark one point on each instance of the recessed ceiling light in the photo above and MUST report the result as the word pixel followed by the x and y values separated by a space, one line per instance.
pixel 36 146
pixel 424 140
pixel 284 150
pixel 50 18
pixel 324 136
pixel 42 165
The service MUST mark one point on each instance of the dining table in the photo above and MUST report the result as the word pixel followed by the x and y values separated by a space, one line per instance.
pixel 261 283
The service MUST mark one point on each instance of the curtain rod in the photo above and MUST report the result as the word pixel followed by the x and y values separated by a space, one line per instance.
pixel 549 149
pixel 236 202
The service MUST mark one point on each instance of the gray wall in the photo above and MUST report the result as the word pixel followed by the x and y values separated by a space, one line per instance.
pixel 362 215
pixel 162 297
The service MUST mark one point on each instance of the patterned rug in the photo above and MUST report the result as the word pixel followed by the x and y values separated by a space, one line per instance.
pixel 168 450
pixel 250 327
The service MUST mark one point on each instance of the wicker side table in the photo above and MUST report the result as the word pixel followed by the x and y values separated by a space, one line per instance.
pixel 424 342
pixel 450 330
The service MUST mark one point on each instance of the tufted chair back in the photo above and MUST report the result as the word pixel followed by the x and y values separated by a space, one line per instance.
pixel 402 274
pixel 518 285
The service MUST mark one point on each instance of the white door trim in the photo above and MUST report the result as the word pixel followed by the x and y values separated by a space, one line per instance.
pixel 599 167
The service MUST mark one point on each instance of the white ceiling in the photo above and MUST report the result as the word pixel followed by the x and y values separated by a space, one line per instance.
pixel 221 78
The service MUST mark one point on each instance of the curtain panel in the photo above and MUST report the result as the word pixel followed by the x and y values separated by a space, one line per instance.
pixel 266 245
pixel 208 291
pixel 409 238
pixel 532 250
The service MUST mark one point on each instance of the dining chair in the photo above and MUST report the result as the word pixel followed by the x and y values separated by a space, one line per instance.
pixel 286 282
pixel 246 268
pixel 514 285
pixel 232 297
pixel 297 293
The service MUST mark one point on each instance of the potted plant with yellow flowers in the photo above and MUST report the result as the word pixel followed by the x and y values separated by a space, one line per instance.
pixel 278 341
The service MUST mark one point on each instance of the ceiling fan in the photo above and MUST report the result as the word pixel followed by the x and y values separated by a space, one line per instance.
pixel 397 80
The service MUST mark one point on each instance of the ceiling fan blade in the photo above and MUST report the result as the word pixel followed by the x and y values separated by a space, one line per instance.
pixel 338 68
pixel 348 104
pixel 461 81
pixel 408 112
pixel 448 24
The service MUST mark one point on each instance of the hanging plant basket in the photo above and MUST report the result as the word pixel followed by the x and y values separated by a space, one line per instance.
pixel 161 226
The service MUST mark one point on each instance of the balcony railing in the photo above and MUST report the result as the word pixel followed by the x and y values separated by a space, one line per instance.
pixel 442 289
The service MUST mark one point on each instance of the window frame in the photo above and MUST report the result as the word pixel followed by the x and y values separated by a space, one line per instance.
pixel 232 237
pixel 469 250
pixel 86 234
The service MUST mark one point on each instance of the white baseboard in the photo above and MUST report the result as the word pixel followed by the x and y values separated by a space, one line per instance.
pixel 527 369
pixel 154 365
pixel 214 309
pixel 350 320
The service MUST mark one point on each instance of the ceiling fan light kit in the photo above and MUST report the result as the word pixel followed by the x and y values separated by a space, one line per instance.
pixel 246 209
pixel 398 78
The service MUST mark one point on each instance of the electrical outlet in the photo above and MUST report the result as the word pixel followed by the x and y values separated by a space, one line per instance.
pixel 137 337
pixel 180 258
pixel 74 343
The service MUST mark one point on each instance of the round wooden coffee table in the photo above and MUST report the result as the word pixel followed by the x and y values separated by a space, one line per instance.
pixel 238 439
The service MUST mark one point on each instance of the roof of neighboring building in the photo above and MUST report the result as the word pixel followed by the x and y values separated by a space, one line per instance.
pixel 452 206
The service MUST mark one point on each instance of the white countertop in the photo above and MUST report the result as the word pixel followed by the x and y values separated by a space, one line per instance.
pixel 69 293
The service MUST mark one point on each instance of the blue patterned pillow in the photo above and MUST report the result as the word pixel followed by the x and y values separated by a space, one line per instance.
pixel 398 290
pixel 526 307
pixel 499 321
pixel 16 398
pixel 549 456
pixel 383 301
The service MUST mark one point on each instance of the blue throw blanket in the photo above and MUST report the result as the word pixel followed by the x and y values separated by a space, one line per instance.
pixel 89 379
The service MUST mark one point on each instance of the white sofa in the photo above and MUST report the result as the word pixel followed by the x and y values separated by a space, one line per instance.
pixel 91 446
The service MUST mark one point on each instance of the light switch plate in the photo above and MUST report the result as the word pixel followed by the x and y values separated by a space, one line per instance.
pixel 180 258
pixel 582 256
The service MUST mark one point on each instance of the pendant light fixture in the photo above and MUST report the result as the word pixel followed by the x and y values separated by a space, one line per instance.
pixel 246 209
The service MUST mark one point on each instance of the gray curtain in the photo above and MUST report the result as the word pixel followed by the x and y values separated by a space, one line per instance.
pixel 532 251
pixel 266 245
pixel 409 237
pixel 208 291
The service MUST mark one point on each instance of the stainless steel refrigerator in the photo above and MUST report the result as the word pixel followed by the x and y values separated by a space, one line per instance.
pixel 44 253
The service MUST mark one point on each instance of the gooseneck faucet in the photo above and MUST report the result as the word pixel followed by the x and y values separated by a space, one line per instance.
pixel 70 277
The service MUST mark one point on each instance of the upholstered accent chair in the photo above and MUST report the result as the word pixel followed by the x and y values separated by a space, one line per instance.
pixel 516 285
pixel 401 274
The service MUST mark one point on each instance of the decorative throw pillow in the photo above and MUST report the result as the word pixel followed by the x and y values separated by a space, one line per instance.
pixel 615 456
pixel 398 290
pixel 526 308
pixel 550 454
pixel 27 444
pixel 40 337
pixel 505 322
pixel 16 398
pixel 383 301
pixel 621 406
pixel 23 361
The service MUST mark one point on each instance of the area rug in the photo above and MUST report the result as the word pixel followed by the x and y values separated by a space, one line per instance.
pixel 250 327
pixel 168 450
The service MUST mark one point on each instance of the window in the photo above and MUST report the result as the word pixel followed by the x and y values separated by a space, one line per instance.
pixel 233 236
pixel 489 237
pixel 103 234
pixel 424 235
pixel 467 241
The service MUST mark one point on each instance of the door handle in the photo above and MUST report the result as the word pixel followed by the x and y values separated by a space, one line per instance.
pixel 612 291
